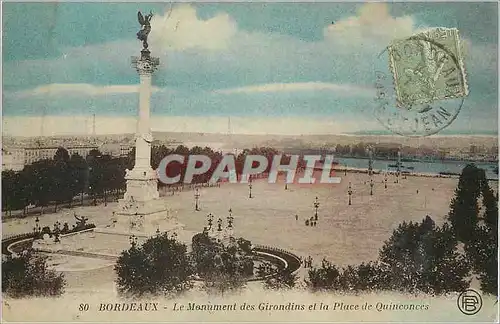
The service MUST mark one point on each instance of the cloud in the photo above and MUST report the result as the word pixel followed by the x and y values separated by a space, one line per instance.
pixel 80 89
pixel 82 125
pixel 179 29
pixel 341 89
pixel 217 69
pixel 373 24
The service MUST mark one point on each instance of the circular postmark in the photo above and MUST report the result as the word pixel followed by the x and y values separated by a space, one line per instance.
pixel 469 302
pixel 420 88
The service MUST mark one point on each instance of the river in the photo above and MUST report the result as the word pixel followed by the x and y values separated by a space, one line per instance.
pixel 419 167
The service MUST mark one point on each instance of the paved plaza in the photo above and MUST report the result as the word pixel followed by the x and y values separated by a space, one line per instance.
pixel 345 234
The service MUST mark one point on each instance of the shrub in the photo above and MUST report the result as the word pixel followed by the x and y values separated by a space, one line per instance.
pixel 326 277
pixel 224 268
pixel 482 252
pixel 29 276
pixel 283 280
pixel 420 257
pixel 160 266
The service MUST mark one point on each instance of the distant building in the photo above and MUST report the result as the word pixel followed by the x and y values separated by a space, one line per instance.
pixel 172 144
pixel 125 149
pixel 12 159
pixel 33 154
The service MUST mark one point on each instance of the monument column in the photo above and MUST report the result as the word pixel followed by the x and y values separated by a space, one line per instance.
pixel 145 66
pixel 141 197
pixel 142 180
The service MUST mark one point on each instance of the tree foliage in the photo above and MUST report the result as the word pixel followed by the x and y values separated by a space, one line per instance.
pixel 223 268
pixel 477 227
pixel 59 180
pixel 28 276
pixel 364 277
pixel 283 280
pixel 464 209
pixel 418 257
pixel 159 266
pixel 421 257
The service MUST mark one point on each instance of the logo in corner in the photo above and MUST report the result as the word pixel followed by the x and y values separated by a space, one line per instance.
pixel 469 302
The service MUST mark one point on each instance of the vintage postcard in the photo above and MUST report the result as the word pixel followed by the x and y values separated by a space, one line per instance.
pixel 249 162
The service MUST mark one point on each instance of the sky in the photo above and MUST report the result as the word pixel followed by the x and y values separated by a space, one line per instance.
pixel 276 68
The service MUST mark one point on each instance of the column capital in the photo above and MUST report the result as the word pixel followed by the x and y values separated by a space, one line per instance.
pixel 145 64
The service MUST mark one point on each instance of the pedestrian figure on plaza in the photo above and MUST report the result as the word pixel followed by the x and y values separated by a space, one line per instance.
pixel 296 217
pixel 417 190
pixel 307 222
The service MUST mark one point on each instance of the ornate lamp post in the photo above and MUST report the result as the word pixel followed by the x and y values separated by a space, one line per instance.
pixel 230 220
pixel 398 164
pixel 57 227
pixel 210 219
pixel 316 206
pixel 370 161
pixel 349 192
pixel 371 187
pixel 196 199
pixel 37 228
pixel 250 188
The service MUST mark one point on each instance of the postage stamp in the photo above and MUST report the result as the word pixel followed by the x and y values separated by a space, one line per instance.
pixel 428 67
pixel 425 87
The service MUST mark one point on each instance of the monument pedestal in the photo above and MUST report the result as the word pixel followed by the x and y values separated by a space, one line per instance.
pixel 141 218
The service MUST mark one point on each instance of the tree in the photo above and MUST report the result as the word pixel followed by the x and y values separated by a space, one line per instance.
pixel 41 173
pixel 61 155
pixel 160 266
pixel 464 208
pixel 421 257
pixel 93 154
pixel 12 191
pixel 478 231
pixel 223 268
pixel 364 277
pixel 283 280
pixel 490 203
pixel 63 183
pixel 29 276
pixel 325 277
pixel 79 172
pixel 482 249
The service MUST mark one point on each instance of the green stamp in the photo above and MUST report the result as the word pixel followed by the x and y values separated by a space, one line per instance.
pixel 428 67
